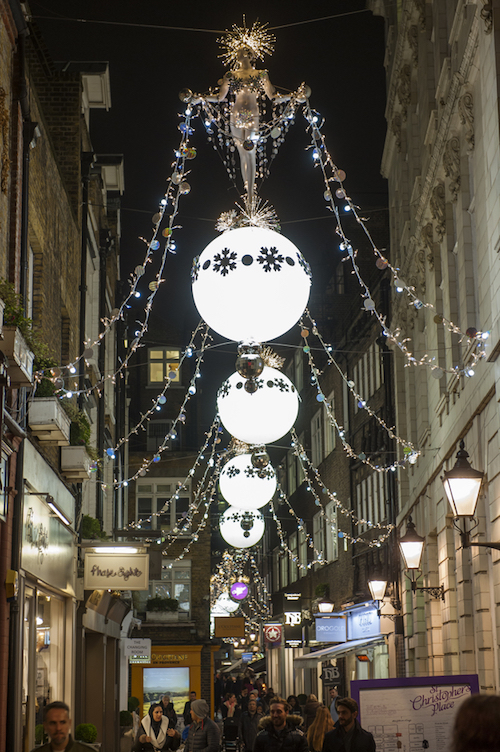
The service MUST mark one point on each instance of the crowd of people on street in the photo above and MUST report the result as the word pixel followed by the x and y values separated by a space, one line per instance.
pixel 280 725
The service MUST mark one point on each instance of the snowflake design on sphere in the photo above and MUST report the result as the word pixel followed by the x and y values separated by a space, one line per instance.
pixel 224 390
pixel 304 265
pixel 195 269
pixel 271 259
pixel 282 385
pixel 224 262
pixel 232 471
pixel 249 472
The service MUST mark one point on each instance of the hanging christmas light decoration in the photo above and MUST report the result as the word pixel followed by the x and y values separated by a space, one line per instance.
pixel 241 529
pixel 251 283
pixel 258 416
pixel 245 486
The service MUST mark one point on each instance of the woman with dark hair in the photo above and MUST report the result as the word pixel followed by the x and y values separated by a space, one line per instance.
pixel 310 709
pixel 321 725
pixel 294 705
pixel 477 725
pixel 229 707
pixel 154 735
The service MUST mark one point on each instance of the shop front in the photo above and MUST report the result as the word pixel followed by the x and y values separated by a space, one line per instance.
pixel 175 670
pixel 46 597
pixel 361 645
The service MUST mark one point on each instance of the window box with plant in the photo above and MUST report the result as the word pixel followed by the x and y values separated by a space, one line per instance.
pixel 47 418
pixel 76 459
pixel 19 338
pixel 162 609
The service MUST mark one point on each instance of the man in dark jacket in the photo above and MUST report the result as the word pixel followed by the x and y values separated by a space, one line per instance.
pixel 168 711
pixel 204 734
pixel 347 735
pixel 249 722
pixel 280 731
pixel 57 726
pixel 186 713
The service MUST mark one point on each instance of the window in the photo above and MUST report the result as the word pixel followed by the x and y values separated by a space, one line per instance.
pixel 330 433
pixel 276 568
pixel 319 536
pixel 163 363
pixel 292 545
pixel 299 370
pixel 283 569
pixel 175 582
pixel 317 444
pixel 301 476
pixel 302 550
pixel 158 430
pixel 152 497
pixel 291 469
pixel 332 532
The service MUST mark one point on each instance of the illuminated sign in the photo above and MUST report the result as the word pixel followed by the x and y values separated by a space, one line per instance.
pixel 272 633
pixel 116 571
pixel 363 623
pixel 331 629
pixel 239 591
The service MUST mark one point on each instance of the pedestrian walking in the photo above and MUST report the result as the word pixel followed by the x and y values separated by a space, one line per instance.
pixel 321 725
pixel 249 725
pixel 310 709
pixel 204 734
pixel 347 733
pixel 186 713
pixel 57 726
pixel 168 711
pixel 155 732
pixel 477 725
pixel 333 704
pixel 280 731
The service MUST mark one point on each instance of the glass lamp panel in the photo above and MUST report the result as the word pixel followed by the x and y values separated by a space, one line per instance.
pixel 462 494
pixel 412 553
pixel 377 589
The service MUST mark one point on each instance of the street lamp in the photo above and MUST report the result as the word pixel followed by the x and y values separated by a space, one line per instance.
pixel 377 589
pixel 325 606
pixel 462 485
pixel 411 546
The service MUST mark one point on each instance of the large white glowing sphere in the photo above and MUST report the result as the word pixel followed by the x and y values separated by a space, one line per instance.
pixel 251 284
pixel 244 486
pixel 262 417
pixel 241 528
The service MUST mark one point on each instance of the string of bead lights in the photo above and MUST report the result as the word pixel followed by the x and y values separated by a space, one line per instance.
pixel 332 174
pixel 410 453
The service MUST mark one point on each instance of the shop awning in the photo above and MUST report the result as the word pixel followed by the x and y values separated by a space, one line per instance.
pixel 232 667
pixel 311 660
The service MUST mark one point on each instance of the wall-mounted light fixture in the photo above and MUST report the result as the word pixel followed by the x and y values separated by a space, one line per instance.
pixel 462 485
pixel 411 546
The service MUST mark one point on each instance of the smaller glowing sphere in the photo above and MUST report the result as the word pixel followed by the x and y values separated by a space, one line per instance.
pixel 260 417
pixel 239 591
pixel 241 529
pixel 251 283
pixel 244 486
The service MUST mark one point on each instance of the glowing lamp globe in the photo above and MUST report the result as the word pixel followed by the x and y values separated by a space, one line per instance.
pixel 244 486
pixel 241 528
pixel 260 417
pixel 239 591
pixel 251 283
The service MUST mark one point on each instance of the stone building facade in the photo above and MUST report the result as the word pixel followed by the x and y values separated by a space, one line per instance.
pixel 442 162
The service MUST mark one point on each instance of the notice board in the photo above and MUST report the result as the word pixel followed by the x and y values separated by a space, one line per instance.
pixel 412 714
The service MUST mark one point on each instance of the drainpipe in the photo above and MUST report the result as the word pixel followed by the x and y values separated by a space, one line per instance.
pixel 87 159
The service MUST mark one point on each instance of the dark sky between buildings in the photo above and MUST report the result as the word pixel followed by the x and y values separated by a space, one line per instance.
pixel 340 58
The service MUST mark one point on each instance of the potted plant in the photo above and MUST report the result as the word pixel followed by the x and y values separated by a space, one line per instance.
pixel 86 732
pixel 19 338
pixel 91 529
pixel 76 458
pixel 162 609
pixel 47 417
pixel 40 736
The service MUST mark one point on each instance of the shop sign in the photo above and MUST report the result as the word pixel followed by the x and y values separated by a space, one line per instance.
pixel 331 629
pixel 363 623
pixel 116 571
pixel 48 549
pixel 246 657
pixel 137 648
pixel 229 626
pixel 272 633
pixel 330 674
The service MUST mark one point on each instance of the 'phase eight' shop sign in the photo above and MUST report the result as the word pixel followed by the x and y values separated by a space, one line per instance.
pixel 116 571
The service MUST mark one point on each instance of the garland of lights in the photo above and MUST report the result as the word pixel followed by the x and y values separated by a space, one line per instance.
pixel 177 186
pixel 306 465
pixel 181 415
pixel 284 545
pixel 331 173
pixel 410 452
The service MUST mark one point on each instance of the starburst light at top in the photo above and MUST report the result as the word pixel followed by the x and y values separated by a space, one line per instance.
pixel 257 39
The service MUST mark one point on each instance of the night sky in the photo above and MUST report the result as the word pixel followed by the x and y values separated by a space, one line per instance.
pixel 340 58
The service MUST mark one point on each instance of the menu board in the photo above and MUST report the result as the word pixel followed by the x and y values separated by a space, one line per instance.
pixel 414 713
